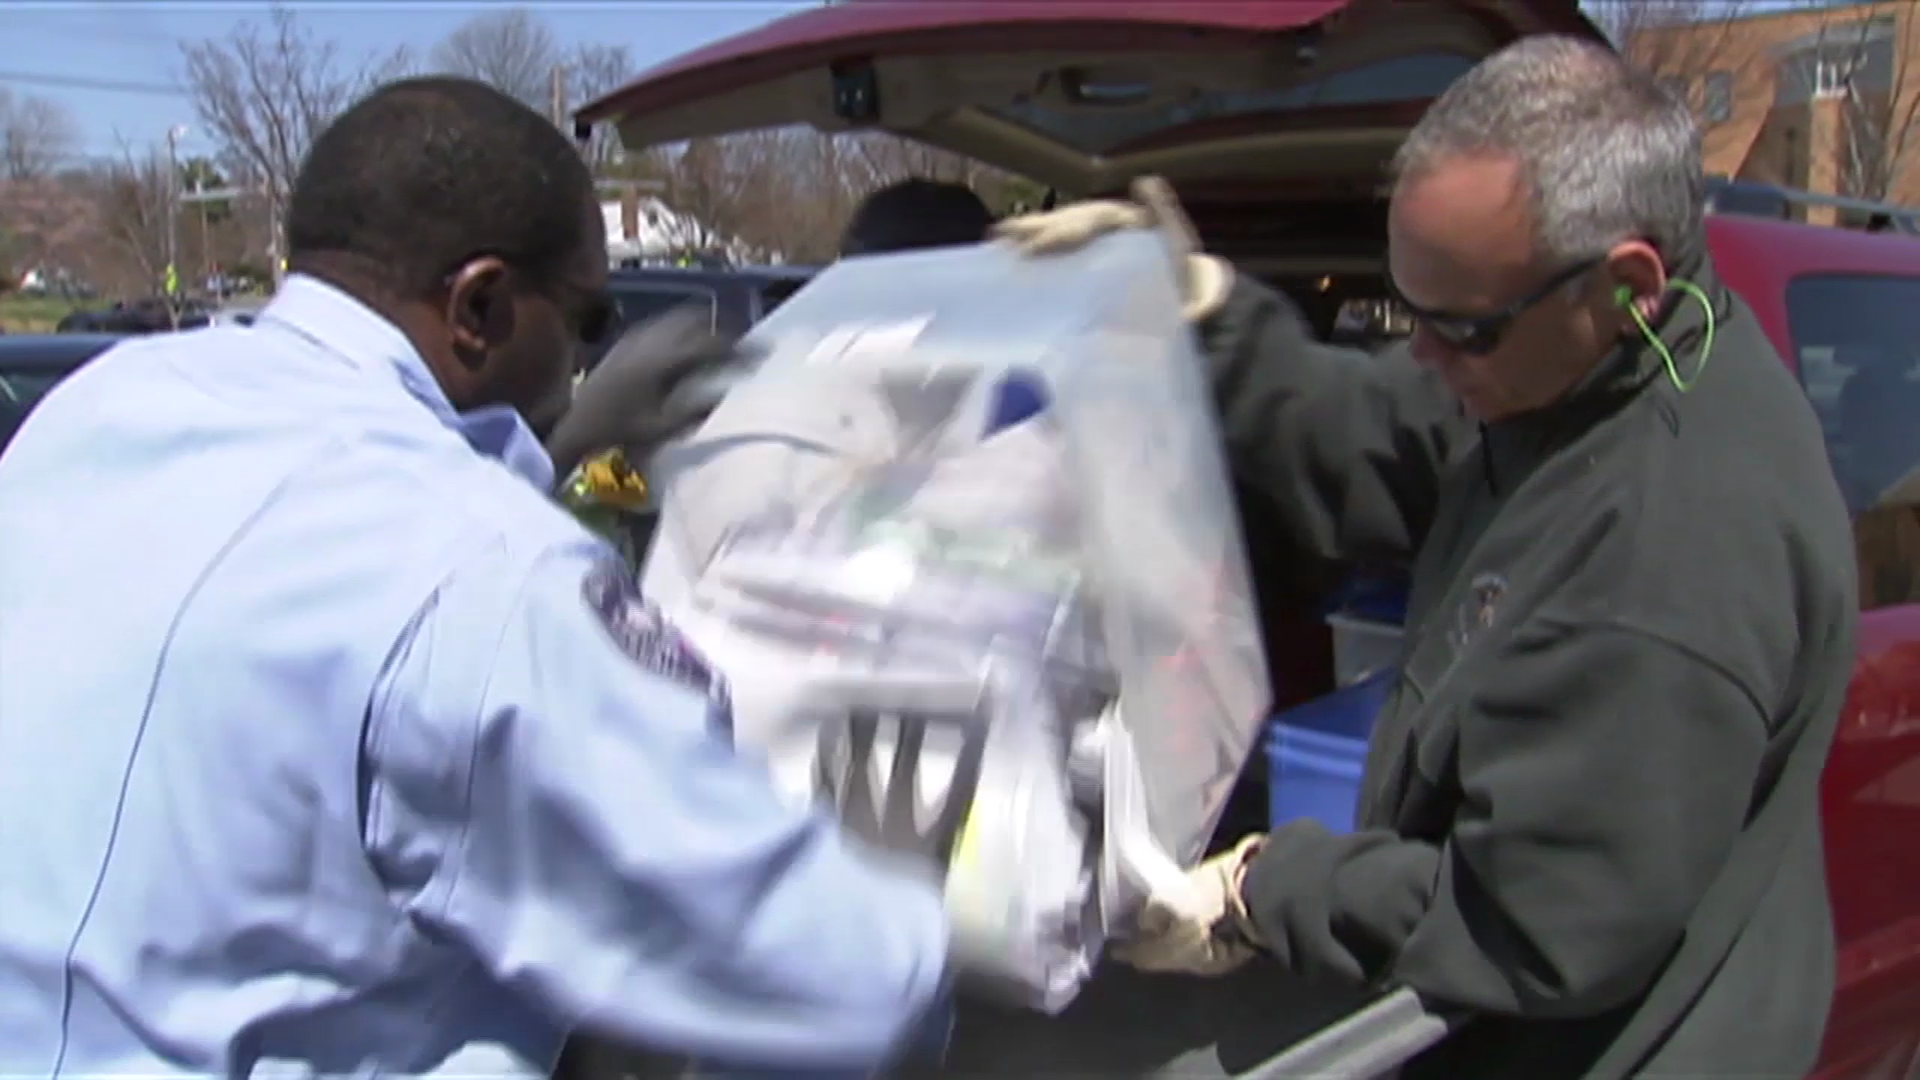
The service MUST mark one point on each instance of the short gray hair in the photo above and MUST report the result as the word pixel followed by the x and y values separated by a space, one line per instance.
pixel 1607 154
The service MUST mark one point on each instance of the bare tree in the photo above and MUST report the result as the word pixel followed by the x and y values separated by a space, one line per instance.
pixel 511 50
pixel 1677 41
pixel 598 70
pixel 37 136
pixel 45 223
pixel 594 71
pixel 1864 61
pixel 131 195
pixel 737 197
pixel 265 93
pixel 804 192
pixel 789 193
pixel 710 189
pixel 1666 36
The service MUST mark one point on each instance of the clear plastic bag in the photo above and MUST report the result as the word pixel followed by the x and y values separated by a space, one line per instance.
pixel 1000 475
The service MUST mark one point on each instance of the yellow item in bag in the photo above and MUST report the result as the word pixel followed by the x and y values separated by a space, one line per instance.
pixel 611 481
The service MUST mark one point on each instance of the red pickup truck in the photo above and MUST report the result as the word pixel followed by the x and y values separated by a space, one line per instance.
pixel 1274 119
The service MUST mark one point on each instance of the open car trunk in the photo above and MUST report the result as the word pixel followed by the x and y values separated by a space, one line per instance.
pixel 1274 120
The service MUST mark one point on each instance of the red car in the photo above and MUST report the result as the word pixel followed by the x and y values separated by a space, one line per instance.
pixel 1274 119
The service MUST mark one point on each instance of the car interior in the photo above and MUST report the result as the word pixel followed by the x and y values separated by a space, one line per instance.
pixel 1325 252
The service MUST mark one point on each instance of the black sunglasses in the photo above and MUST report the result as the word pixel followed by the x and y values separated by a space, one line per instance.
pixel 1481 334
pixel 595 314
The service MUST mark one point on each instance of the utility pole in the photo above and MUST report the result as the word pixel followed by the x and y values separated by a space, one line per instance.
pixel 174 135
pixel 276 239
pixel 206 236
pixel 558 103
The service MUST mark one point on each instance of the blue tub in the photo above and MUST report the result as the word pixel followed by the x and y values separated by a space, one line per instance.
pixel 1317 751
pixel 1366 615
pixel 1374 597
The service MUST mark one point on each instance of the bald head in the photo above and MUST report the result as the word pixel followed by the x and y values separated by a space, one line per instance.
pixel 1604 153
pixel 421 173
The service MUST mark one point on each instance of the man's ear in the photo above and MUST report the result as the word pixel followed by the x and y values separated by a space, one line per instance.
pixel 479 310
pixel 1636 278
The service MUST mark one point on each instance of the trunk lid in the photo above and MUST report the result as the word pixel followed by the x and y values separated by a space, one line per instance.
pixel 1084 96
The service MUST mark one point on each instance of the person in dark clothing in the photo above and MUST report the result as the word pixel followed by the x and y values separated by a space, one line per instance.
pixel 1590 812
pixel 914 214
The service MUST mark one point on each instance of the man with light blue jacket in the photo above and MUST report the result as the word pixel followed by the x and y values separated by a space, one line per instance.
pixel 329 745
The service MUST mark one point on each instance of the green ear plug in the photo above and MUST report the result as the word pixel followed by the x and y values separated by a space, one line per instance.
pixel 1623 295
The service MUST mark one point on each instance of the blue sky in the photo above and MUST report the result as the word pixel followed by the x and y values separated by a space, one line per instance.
pixel 138 44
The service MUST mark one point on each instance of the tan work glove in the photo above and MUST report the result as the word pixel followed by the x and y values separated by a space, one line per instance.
pixel 1204 930
pixel 1204 280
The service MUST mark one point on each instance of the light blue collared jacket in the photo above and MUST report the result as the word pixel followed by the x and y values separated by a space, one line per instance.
pixel 316 758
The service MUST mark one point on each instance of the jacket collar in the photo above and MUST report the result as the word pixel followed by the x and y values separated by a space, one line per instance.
pixel 336 322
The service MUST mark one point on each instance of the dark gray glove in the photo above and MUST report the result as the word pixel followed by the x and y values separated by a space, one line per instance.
pixel 646 391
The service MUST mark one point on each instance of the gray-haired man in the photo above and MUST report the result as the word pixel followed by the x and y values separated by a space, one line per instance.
pixel 1590 815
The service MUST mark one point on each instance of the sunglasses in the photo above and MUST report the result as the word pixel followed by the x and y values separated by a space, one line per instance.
pixel 1479 335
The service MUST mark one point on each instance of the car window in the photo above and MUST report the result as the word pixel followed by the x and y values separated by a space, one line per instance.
pixel 637 303
pixel 1858 342
pixel 19 393
pixel 775 293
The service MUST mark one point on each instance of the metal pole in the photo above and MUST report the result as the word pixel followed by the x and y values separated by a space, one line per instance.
pixel 276 234
pixel 273 241
pixel 173 222
pixel 558 102
pixel 206 248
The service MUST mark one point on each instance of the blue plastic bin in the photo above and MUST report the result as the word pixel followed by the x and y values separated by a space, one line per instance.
pixel 1317 751
pixel 1366 615
pixel 1374 597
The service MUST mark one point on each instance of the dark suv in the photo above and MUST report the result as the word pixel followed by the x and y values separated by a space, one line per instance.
pixel 737 297
pixel 148 316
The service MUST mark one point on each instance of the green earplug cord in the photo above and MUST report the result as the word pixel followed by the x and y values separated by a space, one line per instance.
pixel 1624 296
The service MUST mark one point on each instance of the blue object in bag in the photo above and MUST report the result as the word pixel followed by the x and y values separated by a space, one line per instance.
pixel 1316 753
pixel 1019 398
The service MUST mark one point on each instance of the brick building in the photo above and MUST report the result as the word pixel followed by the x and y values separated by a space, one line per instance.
pixel 1822 98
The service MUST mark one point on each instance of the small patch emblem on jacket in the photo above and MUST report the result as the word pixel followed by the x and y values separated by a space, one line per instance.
pixel 650 641
pixel 1479 609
